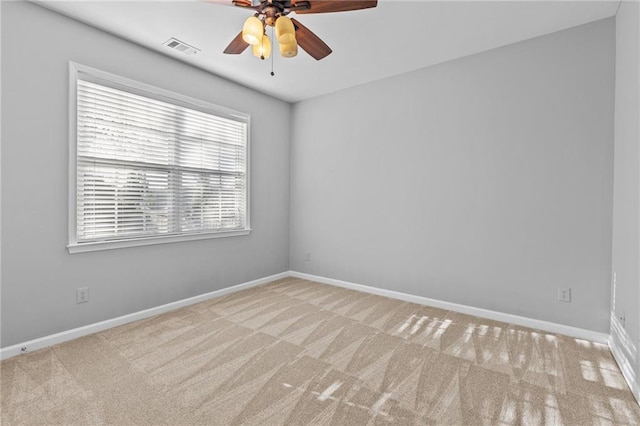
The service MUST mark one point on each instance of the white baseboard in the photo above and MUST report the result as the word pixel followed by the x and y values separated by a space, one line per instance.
pixel 65 336
pixel 551 327
pixel 625 354
pixel 621 346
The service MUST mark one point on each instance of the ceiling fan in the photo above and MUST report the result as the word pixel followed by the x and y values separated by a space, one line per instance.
pixel 288 31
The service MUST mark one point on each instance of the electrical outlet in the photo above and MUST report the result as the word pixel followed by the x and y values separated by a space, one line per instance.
pixel 564 295
pixel 307 256
pixel 82 295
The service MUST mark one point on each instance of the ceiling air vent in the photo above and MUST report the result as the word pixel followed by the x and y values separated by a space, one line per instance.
pixel 181 46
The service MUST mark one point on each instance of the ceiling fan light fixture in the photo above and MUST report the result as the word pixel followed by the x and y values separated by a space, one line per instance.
pixel 289 50
pixel 285 31
pixel 252 31
pixel 262 50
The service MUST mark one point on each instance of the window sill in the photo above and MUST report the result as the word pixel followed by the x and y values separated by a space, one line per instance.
pixel 136 242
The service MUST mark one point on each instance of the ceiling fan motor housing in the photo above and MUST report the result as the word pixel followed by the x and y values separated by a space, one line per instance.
pixel 271 14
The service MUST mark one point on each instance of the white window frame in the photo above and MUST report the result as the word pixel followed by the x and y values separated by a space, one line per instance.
pixel 75 246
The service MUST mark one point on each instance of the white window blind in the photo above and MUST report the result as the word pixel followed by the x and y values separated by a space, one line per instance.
pixel 148 166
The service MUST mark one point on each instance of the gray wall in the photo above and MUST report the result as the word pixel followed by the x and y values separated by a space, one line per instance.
pixel 626 209
pixel 39 277
pixel 485 181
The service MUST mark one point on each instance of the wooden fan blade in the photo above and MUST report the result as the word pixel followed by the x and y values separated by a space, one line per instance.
pixel 240 3
pixel 310 42
pixel 237 45
pixel 326 6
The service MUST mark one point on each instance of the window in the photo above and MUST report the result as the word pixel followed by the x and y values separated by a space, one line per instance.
pixel 150 166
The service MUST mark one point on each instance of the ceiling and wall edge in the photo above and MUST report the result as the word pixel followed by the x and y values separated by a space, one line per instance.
pixel 160 51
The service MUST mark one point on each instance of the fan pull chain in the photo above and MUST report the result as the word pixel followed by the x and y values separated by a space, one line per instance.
pixel 272 52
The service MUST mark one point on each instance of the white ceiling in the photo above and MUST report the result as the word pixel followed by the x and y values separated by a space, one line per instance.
pixel 395 37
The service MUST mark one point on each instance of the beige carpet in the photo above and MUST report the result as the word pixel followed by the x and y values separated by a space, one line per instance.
pixel 297 352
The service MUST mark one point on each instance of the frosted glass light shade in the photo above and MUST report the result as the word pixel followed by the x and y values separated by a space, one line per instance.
pixel 285 31
pixel 289 50
pixel 263 49
pixel 252 31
